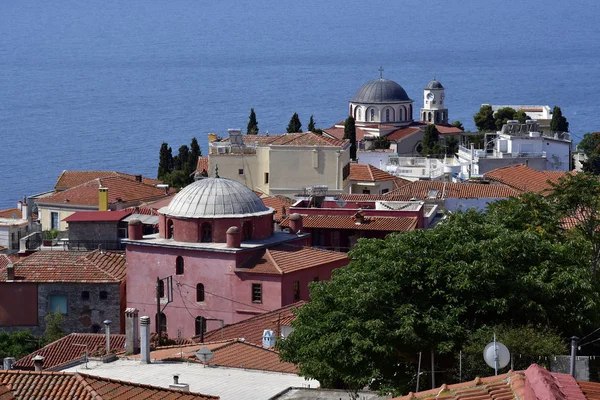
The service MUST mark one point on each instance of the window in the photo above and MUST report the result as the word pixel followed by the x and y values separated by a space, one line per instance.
pixel 103 295
pixel 266 177
pixel 366 191
pixel 200 325
pixel 179 265
pixel 163 322
pixel 206 233
pixel 57 304
pixel 200 293
pixel 359 115
pixel 54 220
pixel 257 293
pixel 169 229
pixel 316 279
pixel 95 328
pixel 247 230
pixel 241 171
pixel 346 172
pixel 296 290
pixel 387 115
pixel 384 191
pixel 372 115
pixel 161 288
pixel 85 295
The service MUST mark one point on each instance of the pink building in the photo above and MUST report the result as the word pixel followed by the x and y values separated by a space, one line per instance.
pixel 218 260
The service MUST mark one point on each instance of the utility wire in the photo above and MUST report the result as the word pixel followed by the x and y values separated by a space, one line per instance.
pixel 226 298
pixel 587 336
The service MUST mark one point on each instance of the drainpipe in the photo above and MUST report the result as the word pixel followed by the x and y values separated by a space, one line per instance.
pixel 107 330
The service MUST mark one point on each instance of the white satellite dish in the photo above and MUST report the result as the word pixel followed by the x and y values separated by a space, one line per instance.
pixel 341 203
pixel 493 350
pixel 204 354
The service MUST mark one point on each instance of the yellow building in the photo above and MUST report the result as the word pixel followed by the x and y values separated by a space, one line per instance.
pixel 281 164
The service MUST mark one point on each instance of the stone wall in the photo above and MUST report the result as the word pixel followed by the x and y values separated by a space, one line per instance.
pixel 96 231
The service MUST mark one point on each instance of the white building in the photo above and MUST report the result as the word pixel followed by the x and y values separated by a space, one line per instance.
pixel 517 144
pixel 14 225
pixel 434 110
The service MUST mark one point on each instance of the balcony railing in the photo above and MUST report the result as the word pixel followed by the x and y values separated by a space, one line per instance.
pixel 479 153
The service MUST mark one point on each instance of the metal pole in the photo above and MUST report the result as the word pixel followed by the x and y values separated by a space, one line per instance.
pixel 158 309
pixel 574 341
pixel 495 355
pixel 418 373
pixel 460 365
pixel 432 371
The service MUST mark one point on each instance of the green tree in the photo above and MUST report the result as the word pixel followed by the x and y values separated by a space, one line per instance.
pixel 195 153
pixel 559 122
pixel 521 116
pixel 503 115
pixel 577 199
pixel 428 290
pixel 252 124
pixel 458 125
pixel 311 124
pixel 484 119
pixel 295 125
pixel 350 134
pixel 54 327
pixel 590 146
pixel 17 344
pixel 451 143
pixel 431 141
pixel 381 142
pixel 165 162
pixel 527 345
pixel 181 160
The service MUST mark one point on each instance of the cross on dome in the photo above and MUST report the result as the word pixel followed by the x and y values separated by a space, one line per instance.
pixel 380 72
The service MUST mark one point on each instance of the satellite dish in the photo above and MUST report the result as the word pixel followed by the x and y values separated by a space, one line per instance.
pixel 204 354
pixel 341 203
pixel 489 355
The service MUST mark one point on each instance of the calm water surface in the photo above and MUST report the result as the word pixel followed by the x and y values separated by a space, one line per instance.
pixel 99 85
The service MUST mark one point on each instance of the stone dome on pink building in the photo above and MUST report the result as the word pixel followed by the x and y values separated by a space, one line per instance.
pixel 204 210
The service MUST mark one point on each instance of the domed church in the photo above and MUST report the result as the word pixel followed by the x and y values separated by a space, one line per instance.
pixel 217 257
pixel 382 101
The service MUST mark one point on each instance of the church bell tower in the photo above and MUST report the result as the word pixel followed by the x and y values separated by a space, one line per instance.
pixel 434 110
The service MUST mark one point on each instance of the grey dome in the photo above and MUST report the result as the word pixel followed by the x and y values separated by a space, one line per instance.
pixel 215 197
pixel 434 85
pixel 380 91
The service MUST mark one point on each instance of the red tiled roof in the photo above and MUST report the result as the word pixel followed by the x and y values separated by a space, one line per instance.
pixel 364 197
pixel 202 165
pixel 5 393
pixel 280 204
pixel 294 139
pixel 338 133
pixel 69 179
pixel 64 266
pixel 28 385
pixel 446 129
pixel 252 328
pixel 97 216
pixel 402 133
pixel 368 173
pixel 384 224
pixel 525 179
pixel 151 207
pixel 284 259
pixel 422 190
pixel 119 188
pixel 399 182
pixel 64 350
pixel 10 212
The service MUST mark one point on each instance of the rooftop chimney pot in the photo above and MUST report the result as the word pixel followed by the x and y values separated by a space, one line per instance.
pixel 145 340
pixel 38 362
pixel 10 272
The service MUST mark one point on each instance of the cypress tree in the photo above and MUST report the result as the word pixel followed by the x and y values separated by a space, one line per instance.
pixel 558 122
pixel 350 134
pixel 295 125
pixel 431 138
pixel 252 124
pixel 165 162
pixel 195 153
pixel 311 124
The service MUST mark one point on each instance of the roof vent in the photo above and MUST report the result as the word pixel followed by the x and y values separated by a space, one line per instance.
pixel 268 339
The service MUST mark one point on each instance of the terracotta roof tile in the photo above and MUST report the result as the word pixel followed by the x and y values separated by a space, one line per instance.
pixel 97 216
pixel 280 204
pixel 525 179
pixel 368 173
pixel 5 393
pixel 69 179
pixel 10 213
pixel 446 129
pixel 252 328
pixel 121 188
pixel 294 139
pixel 422 190
pixel 364 197
pixel 64 350
pixel 27 385
pixel 338 133
pixel 285 258
pixel 202 165
pixel 384 224
pixel 402 133
pixel 64 266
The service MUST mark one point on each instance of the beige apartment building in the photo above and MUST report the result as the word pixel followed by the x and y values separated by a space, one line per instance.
pixel 284 165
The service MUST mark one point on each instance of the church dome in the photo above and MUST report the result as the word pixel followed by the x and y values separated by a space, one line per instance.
pixel 380 91
pixel 215 198
pixel 434 85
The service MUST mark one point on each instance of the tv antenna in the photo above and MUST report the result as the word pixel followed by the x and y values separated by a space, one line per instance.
pixel 496 355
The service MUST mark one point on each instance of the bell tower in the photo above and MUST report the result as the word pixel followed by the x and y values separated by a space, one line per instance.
pixel 434 110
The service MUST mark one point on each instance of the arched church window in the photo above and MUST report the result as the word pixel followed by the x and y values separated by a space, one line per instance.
pixel 401 112
pixel 179 265
pixel 424 117
pixel 372 115
pixel 200 325
pixel 200 293
pixel 359 114
pixel 429 117
pixel 387 115
pixel 206 233
pixel 170 229
pixel 247 230
pixel 161 288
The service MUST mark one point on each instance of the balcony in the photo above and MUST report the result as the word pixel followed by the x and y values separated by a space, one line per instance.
pixel 464 152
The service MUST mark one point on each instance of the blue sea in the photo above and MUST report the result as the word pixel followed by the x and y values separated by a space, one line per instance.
pixel 101 84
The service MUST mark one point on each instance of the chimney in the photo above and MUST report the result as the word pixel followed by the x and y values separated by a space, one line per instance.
pixel 19 204
pixel 10 272
pixel 296 223
pixel 102 199
pixel 234 237
pixel 38 363
pixel 145 340
pixel 107 330
pixel 132 331
pixel 138 178
pixel 8 363
pixel 135 229
pixel 24 209
pixel 183 387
